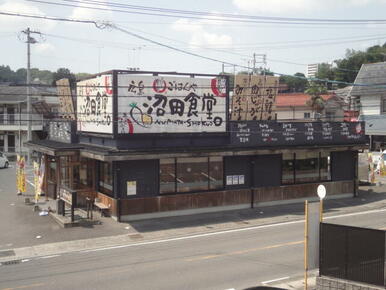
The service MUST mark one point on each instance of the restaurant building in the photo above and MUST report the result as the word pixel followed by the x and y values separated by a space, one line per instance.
pixel 149 144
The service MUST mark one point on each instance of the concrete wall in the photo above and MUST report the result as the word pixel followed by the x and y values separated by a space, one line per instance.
pixel 327 283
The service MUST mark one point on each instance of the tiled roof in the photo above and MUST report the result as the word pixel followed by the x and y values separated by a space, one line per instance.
pixel 370 74
pixel 295 99
pixel 17 94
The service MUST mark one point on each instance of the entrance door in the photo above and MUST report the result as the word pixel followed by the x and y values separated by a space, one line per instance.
pixel 2 142
pixel 51 177
pixel 11 143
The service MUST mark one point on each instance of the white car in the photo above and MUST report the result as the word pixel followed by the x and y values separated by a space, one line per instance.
pixel 4 163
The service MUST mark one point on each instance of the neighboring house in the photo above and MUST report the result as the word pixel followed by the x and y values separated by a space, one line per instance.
pixel 294 107
pixel 335 108
pixel 14 115
pixel 369 96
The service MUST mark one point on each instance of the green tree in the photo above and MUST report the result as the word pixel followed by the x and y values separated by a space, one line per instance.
pixel 81 76
pixel 62 73
pixel 316 102
pixel 6 74
pixel 296 83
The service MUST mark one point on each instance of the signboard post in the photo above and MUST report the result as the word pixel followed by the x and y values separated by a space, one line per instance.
pixel 69 197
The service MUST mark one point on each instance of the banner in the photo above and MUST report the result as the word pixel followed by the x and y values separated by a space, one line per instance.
pixel 42 171
pixel 21 183
pixel 36 180
pixel 17 172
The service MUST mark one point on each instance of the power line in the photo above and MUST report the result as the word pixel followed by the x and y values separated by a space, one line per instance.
pixel 98 24
pixel 99 5
pixel 103 25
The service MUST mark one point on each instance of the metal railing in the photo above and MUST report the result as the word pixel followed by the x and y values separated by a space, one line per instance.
pixel 21 119
pixel 352 253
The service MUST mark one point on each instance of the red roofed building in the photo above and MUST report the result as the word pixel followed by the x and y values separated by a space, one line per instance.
pixel 293 106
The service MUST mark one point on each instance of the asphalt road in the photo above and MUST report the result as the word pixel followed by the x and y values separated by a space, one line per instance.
pixel 234 259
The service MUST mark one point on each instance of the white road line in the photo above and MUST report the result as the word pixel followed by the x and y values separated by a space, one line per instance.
pixel 355 213
pixel 274 280
pixel 25 260
pixel 223 232
pixel 47 257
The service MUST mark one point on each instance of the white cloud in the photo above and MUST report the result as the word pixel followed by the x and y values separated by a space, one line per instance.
pixel 81 12
pixel 200 36
pixel 16 23
pixel 281 6
pixel 43 47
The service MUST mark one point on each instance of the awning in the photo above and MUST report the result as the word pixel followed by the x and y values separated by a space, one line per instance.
pixel 53 148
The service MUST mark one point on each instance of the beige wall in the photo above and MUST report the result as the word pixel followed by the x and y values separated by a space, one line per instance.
pixel 289 113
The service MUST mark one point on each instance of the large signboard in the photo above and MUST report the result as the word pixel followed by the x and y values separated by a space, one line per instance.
pixel 250 133
pixel 66 108
pixel 254 97
pixel 95 105
pixel 163 104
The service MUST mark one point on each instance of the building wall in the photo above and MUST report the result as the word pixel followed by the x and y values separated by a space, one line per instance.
pixel 293 113
pixel 371 105
pixel 343 165
pixel 237 198
pixel 143 172
pixel 261 183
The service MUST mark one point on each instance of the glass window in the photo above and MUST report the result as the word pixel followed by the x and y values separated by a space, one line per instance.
pixel 288 168
pixel 215 173
pixel 167 175
pixel 86 173
pixel 192 174
pixel 325 172
pixel 106 178
pixel 307 167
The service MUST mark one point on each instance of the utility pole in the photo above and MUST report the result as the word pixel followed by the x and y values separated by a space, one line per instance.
pixel 264 62
pixel 30 40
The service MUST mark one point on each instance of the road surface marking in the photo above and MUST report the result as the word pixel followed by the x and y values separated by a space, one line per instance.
pixel 275 280
pixel 48 257
pixel 225 232
pixel 25 286
pixel 243 251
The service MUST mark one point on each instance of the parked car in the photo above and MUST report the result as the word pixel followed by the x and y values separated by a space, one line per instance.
pixel 4 163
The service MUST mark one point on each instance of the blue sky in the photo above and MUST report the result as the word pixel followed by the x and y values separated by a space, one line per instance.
pixel 84 48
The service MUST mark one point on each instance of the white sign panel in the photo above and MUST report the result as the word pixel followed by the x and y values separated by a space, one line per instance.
pixel 131 187
pixel 163 104
pixel 95 105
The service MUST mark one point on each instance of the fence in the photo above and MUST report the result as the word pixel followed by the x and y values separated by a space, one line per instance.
pixel 352 253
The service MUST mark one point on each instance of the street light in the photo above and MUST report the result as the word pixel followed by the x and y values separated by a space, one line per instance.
pixel 322 194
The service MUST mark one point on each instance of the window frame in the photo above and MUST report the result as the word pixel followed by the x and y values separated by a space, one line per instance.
pixel 208 158
pixel 101 170
pixel 320 179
